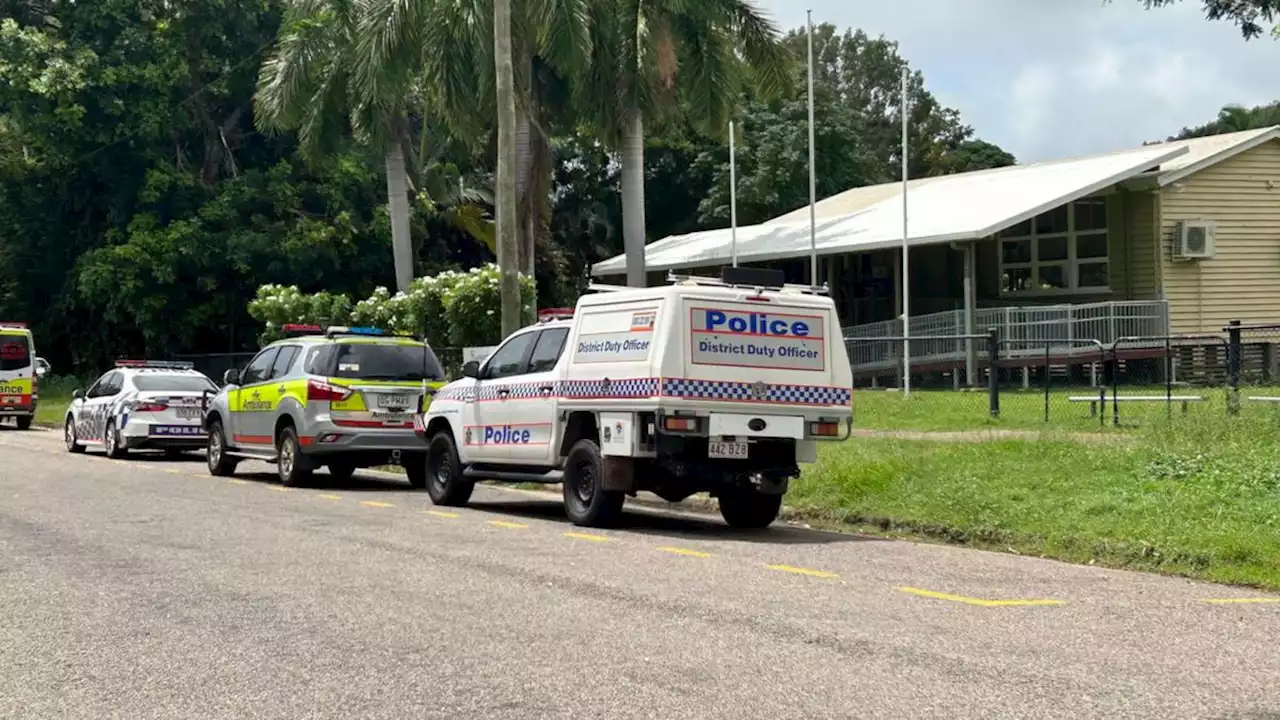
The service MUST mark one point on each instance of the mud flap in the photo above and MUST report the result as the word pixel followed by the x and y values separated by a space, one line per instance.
pixel 618 473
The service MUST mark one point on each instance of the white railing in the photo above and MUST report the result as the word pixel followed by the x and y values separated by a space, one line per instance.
pixel 1022 330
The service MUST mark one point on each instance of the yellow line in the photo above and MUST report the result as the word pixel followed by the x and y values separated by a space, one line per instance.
pixel 505 524
pixel 802 571
pixel 277 488
pixel 330 497
pixel 585 536
pixel 441 513
pixel 238 482
pixel 1241 601
pixel 977 601
pixel 375 503
pixel 683 551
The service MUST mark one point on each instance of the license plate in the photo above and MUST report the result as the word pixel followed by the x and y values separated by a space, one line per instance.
pixel 394 401
pixel 188 413
pixel 727 450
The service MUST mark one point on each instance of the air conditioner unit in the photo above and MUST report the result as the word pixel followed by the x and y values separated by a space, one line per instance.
pixel 1194 240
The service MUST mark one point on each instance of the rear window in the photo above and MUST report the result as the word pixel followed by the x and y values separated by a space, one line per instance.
pixel 15 352
pixel 172 383
pixel 370 361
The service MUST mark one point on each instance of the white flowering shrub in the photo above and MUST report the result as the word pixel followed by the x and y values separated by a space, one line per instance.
pixel 452 308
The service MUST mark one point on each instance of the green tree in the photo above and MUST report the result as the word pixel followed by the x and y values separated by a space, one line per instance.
pixel 1252 16
pixel 1235 118
pixel 666 58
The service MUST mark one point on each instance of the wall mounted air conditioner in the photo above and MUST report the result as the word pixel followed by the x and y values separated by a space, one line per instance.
pixel 1194 240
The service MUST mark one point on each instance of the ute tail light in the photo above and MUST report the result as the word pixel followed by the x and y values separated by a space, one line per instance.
pixel 824 429
pixel 675 423
pixel 326 392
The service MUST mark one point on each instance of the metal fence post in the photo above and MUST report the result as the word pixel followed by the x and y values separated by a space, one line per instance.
pixel 993 369
pixel 1233 367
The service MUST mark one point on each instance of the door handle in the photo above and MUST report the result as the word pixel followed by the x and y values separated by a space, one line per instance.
pixel 255 393
pixel 504 391
pixel 546 388
pixel 282 389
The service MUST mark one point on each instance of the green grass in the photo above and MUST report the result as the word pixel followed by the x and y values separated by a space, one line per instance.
pixel 1199 499
pixel 933 410
pixel 55 396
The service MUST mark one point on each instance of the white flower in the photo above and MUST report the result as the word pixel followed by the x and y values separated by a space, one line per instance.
pixel 488 312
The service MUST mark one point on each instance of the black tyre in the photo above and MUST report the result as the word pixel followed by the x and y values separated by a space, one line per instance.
pixel 340 471
pixel 111 442
pixel 585 501
pixel 24 422
pixel 69 436
pixel 220 464
pixel 749 510
pixel 443 472
pixel 293 467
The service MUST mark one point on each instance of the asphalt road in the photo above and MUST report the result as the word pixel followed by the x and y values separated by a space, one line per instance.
pixel 147 589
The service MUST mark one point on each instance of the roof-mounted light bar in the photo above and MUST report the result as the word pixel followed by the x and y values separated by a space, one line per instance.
pixel 12 323
pixel 301 329
pixel 550 314
pixel 159 364
pixel 367 331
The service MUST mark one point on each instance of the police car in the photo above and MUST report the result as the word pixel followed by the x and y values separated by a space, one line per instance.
pixel 338 397
pixel 140 405
pixel 721 386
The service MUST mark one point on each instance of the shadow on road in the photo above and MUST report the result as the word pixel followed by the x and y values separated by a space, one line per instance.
pixel 322 481
pixel 654 521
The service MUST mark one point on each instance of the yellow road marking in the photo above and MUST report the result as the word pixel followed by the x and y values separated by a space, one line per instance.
pixel 802 571
pixel 977 601
pixel 505 524
pixel 585 536
pixel 1241 601
pixel 238 482
pixel 685 551
pixel 441 513
pixel 375 503
pixel 277 488
pixel 330 497
pixel 175 471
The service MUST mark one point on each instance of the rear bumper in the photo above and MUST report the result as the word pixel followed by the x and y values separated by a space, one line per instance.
pixel 142 435
pixel 17 410
pixel 327 437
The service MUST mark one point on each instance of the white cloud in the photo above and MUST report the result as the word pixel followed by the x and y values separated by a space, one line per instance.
pixel 1058 78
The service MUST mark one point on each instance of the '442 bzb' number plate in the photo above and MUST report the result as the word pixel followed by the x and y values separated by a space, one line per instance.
pixel 736 450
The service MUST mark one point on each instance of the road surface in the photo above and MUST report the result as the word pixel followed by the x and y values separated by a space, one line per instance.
pixel 147 589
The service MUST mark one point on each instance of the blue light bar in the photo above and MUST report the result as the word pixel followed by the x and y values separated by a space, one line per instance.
pixel 368 331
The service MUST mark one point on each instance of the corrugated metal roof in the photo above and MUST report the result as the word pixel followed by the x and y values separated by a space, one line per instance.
pixel 965 206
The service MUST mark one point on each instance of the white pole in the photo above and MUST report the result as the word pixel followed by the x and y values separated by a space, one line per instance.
pixel 906 257
pixel 813 184
pixel 733 199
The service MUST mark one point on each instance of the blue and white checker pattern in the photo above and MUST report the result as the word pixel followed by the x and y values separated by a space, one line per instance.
pixel 743 392
pixel 623 388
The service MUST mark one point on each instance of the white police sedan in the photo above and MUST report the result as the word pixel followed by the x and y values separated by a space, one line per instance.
pixel 140 405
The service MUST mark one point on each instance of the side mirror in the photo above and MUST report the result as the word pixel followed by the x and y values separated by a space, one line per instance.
pixel 77 394
pixel 42 367
pixel 471 369
pixel 231 377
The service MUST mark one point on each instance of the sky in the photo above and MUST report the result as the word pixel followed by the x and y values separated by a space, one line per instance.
pixel 1048 79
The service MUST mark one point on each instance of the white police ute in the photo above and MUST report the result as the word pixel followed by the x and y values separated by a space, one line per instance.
pixel 721 386
pixel 140 405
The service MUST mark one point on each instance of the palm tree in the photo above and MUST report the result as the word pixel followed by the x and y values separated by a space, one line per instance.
pixel 662 56
pixel 506 190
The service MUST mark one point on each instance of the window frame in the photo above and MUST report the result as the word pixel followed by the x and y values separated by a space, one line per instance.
pixel 293 351
pixel 1071 264
pixel 486 372
pixel 537 342
pixel 273 351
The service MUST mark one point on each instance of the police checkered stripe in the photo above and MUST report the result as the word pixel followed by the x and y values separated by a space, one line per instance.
pixel 624 388
pixel 728 390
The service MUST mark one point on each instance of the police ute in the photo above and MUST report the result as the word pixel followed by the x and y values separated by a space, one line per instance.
pixel 140 405
pixel 703 385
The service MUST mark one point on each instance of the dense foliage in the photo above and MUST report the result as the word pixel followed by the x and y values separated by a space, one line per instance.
pixel 141 208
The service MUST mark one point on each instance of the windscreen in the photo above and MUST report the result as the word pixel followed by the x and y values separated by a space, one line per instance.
pixel 15 352
pixel 172 383
pixel 373 361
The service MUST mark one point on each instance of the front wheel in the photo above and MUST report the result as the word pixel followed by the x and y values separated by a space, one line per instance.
pixel 291 465
pixel 111 442
pixel 69 436
pixel 445 483
pixel 586 502
pixel 220 465
pixel 749 510
pixel 24 422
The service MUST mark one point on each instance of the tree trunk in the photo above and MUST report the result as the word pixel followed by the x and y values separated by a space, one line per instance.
pixel 398 200
pixel 633 198
pixel 505 202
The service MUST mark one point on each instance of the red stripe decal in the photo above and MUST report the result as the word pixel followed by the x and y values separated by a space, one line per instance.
pixel 254 439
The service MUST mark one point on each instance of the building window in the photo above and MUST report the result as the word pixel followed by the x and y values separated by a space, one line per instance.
pixel 1061 251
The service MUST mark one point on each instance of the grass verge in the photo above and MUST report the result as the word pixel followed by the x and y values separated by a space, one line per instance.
pixel 1186 497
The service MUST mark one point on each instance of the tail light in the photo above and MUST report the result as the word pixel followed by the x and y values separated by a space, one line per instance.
pixel 326 392
pixel 149 406
pixel 824 429
pixel 674 423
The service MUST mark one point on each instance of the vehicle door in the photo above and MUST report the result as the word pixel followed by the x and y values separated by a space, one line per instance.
pixel 533 409
pixel 251 405
pixel 99 402
pixel 82 411
pixel 276 390
pixel 489 435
